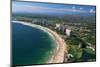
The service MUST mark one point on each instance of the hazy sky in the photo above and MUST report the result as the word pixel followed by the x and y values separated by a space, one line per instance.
pixel 45 8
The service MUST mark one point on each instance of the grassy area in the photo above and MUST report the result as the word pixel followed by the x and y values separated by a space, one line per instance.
pixel 75 51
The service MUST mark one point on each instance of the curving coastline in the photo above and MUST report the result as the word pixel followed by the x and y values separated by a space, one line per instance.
pixel 58 56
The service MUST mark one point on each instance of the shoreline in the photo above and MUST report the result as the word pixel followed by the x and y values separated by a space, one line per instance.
pixel 58 56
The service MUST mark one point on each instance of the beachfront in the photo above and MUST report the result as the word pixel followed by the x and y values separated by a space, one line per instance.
pixel 58 56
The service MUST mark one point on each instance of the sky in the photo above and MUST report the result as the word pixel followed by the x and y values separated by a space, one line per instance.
pixel 51 8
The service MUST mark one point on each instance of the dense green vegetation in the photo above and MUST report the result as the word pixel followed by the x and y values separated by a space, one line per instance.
pixel 78 42
pixel 83 33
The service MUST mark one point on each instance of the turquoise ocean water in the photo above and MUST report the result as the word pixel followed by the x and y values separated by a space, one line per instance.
pixel 30 45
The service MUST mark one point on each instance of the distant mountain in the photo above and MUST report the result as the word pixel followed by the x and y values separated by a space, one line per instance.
pixel 78 17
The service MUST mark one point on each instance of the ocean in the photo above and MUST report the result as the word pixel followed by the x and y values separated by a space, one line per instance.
pixel 30 45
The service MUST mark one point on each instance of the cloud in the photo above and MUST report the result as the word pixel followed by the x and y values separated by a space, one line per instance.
pixel 49 9
pixel 80 8
pixel 92 11
pixel 73 7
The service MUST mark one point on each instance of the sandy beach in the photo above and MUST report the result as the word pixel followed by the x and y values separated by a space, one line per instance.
pixel 58 56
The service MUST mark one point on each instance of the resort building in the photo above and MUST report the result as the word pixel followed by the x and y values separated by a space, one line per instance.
pixel 57 26
pixel 40 21
pixel 63 28
pixel 68 32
